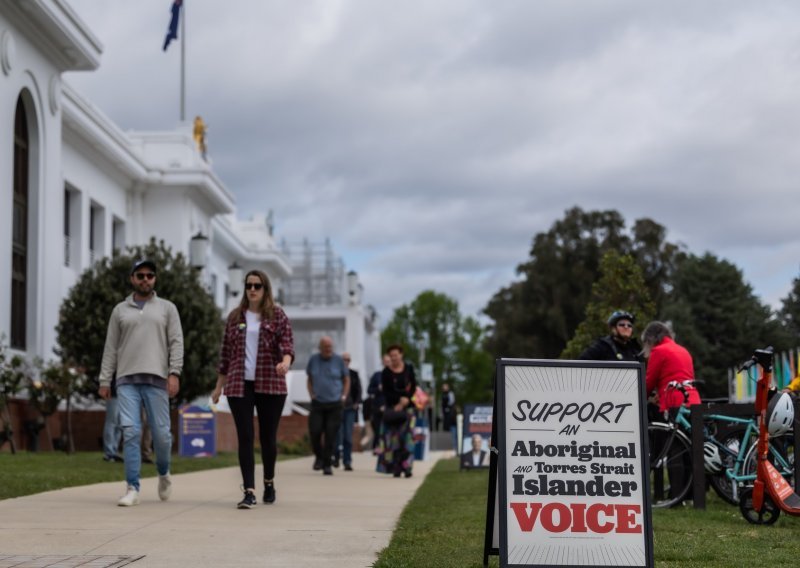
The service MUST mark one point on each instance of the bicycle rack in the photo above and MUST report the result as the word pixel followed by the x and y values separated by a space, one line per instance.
pixel 698 414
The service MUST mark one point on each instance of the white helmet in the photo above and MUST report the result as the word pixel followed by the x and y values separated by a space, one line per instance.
pixel 711 458
pixel 781 414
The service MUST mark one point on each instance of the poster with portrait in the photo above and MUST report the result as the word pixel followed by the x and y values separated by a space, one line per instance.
pixel 476 436
pixel 572 471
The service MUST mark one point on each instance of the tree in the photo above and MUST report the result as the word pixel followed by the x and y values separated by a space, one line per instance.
pixel 473 366
pixel 13 371
pixel 537 315
pixel 57 382
pixel 621 287
pixel 86 310
pixel 717 317
pixel 453 345
pixel 430 321
pixel 790 312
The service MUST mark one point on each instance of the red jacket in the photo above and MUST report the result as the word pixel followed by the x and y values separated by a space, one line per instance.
pixel 670 362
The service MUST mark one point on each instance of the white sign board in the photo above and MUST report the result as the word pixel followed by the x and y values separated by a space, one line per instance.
pixel 572 469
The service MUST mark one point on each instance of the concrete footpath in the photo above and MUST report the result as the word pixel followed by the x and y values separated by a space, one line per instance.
pixel 340 520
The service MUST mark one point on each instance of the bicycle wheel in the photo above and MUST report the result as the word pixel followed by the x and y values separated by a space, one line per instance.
pixel 768 514
pixel 721 483
pixel 781 455
pixel 670 465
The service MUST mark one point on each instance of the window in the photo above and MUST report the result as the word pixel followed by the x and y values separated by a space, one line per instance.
pixel 19 231
pixel 96 233
pixel 67 227
pixel 117 236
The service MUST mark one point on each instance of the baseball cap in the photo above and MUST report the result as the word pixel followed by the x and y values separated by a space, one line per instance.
pixel 143 262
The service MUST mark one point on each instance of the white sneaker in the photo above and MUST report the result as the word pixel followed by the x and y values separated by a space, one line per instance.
pixel 130 498
pixel 164 487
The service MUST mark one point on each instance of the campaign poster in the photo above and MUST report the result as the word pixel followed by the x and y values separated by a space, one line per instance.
pixel 573 464
pixel 476 436
pixel 197 432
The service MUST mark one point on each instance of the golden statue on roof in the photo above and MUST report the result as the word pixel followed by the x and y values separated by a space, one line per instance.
pixel 199 134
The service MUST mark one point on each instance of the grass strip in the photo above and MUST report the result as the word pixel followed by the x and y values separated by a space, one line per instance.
pixel 443 526
pixel 28 473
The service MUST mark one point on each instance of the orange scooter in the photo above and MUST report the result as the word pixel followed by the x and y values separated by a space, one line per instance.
pixel 771 493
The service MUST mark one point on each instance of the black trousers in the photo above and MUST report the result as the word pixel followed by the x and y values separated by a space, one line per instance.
pixel 323 424
pixel 269 408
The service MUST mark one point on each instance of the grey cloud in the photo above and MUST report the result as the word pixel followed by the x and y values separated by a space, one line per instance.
pixel 442 136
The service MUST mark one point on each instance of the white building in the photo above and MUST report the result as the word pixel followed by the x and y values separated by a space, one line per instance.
pixel 74 187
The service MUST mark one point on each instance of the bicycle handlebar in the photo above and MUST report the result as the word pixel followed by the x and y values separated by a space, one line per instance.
pixel 761 357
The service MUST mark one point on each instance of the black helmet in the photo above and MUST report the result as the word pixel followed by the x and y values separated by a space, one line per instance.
pixel 620 315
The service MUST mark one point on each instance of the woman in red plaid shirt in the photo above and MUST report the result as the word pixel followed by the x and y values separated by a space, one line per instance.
pixel 257 351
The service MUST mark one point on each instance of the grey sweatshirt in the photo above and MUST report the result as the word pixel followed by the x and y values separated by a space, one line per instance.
pixel 147 340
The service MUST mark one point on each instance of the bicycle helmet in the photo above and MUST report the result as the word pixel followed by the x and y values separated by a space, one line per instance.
pixel 711 458
pixel 781 414
pixel 620 315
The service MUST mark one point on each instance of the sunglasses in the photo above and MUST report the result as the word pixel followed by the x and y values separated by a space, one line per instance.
pixel 630 325
pixel 143 275
pixel 253 286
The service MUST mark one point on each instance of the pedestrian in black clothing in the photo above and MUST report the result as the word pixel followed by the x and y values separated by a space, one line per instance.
pixel 377 401
pixel 619 344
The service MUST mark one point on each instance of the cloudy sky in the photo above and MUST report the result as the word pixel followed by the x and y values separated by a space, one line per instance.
pixel 432 140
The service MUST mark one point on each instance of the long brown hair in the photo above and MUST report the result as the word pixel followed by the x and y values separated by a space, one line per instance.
pixel 267 307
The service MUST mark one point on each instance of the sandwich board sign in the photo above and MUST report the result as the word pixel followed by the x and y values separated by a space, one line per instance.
pixel 573 478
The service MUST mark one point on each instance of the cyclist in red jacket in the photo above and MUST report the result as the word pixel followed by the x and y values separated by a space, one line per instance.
pixel 667 361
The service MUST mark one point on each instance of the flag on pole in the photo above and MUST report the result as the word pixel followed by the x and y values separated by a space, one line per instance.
pixel 172 31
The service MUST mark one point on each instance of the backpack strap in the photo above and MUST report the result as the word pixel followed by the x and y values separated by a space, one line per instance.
pixel 613 344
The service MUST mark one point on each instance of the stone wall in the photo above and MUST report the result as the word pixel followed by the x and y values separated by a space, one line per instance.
pixel 87 429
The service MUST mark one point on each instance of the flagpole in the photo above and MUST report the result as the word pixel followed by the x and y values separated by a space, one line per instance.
pixel 183 61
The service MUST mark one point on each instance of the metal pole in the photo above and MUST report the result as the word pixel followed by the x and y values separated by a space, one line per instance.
pixel 183 61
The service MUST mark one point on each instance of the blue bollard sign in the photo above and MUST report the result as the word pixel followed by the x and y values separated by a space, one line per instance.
pixel 198 432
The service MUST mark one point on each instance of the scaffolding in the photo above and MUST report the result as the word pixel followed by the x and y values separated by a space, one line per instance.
pixel 318 276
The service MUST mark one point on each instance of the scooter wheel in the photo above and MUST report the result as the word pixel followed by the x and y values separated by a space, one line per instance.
pixel 768 514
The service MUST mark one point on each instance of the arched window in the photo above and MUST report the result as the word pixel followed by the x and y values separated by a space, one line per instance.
pixel 19 238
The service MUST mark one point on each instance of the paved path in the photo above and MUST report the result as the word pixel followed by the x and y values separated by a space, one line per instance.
pixel 342 520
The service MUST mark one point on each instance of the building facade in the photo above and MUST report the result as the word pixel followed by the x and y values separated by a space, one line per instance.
pixel 74 187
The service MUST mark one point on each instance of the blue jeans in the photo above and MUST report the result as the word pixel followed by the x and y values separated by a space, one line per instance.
pixel 112 432
pixel 156 405
pixel 344 437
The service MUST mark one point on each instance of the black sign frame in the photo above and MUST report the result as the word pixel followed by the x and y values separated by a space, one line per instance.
pixel 502 462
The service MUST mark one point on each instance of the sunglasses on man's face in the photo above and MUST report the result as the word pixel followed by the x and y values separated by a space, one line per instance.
pixel 630 325
pixel 253 286
pixel 143 275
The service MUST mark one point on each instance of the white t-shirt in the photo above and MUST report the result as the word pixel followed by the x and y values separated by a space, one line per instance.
pixel 251 344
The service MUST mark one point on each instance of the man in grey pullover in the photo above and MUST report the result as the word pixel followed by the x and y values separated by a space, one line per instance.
pixel 144 349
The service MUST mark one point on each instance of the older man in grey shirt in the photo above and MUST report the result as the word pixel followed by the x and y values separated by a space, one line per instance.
pixel 328 384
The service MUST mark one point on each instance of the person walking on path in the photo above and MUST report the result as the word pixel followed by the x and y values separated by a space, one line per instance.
pixel 144 350
pixel 112 432
pixel 344 438
pixel 396 446
pixel 449 414
pixel 619 344
pixel 328 386
pixel 257 351
pixel 377 401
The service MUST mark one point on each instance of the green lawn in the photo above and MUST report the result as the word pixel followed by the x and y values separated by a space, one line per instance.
pixel 27 473
pixel 445 521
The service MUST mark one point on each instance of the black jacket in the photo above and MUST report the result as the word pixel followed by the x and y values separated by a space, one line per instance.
pixel 354 396
pixel 607 349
